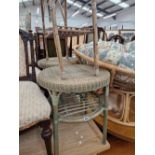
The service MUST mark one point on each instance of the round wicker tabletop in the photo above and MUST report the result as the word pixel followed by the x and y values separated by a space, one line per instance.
pixel 43 63
pixel 79 78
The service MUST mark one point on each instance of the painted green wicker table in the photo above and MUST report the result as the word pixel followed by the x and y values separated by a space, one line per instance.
pixel 43 63
pixel 74 98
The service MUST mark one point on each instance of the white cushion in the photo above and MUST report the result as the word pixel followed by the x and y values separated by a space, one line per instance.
pixel 33 105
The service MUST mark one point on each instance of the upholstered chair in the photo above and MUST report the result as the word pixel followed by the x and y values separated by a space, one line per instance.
pixel 34 108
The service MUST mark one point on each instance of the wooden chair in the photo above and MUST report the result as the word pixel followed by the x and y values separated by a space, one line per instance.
pixel 117 38
pixel 133 38
pixel 101 34
pixel 37 69
pixel 34 108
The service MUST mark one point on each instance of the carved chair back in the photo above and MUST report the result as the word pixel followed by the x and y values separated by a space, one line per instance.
pixel 26 56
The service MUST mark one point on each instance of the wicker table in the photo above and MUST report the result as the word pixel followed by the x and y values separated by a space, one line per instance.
pixel 43 63
pixel 79 79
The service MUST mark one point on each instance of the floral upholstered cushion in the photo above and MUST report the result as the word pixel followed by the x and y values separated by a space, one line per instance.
pixel 116 46
pixel 33 106
pixel 113 53
pixel 113 56
pixel 130 47
pixel 127 60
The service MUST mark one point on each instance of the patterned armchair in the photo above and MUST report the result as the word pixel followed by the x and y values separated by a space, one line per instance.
pixel 34 108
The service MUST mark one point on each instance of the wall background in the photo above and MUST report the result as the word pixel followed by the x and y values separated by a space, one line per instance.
pixel 125 18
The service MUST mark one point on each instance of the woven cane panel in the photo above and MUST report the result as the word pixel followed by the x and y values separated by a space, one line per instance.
pixel 81 39
pixel 33 105
pixel 79 78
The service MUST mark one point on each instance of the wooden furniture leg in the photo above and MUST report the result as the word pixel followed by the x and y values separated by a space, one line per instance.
pixel 46 134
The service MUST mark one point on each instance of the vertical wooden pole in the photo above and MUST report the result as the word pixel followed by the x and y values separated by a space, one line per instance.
pixel 65 24
pixel 56 37
pixel 65 11
pixel 95 37
pixel 61 9
pixel 43 24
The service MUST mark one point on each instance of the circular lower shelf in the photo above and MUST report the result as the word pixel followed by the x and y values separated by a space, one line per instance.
pixel 79 107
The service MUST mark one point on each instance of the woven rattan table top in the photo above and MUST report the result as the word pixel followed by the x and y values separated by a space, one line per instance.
pixel 79 78
pixel 43 63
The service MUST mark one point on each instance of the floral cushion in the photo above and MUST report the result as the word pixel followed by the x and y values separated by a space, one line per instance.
pixel 130 47
pixel 112 52
pixel 127 60
pixel 113 56
pixel 33 106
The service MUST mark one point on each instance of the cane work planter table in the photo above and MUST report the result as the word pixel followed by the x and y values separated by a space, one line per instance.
pixel 70 99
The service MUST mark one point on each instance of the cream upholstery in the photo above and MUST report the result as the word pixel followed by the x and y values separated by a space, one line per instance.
pixel 37 70
pixel 81 39
pixel 74 40
pixel 22 60
pixel 33 106
pixel 29 52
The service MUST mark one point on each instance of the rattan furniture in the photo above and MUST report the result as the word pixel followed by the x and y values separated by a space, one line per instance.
pixel 122 84
pixel 71 97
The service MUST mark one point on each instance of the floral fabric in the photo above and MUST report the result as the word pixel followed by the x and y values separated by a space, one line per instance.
pixel 113 53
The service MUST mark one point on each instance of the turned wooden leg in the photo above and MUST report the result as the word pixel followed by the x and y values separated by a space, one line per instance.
pixel 46 134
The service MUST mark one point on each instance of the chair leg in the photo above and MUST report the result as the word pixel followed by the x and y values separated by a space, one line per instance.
pixel 105 114
pixel 46 134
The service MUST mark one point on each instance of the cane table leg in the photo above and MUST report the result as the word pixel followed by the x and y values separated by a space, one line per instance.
pixel 105 114
pixel 55 102
pixel 126 108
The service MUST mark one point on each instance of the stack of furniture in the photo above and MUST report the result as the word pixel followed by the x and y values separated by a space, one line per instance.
pixel 122 85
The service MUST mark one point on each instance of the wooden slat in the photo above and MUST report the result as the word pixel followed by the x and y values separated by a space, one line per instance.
pixel 56 38
pixel 95 37
pixel 43 24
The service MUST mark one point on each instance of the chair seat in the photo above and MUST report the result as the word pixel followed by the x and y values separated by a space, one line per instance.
pixel 34 107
